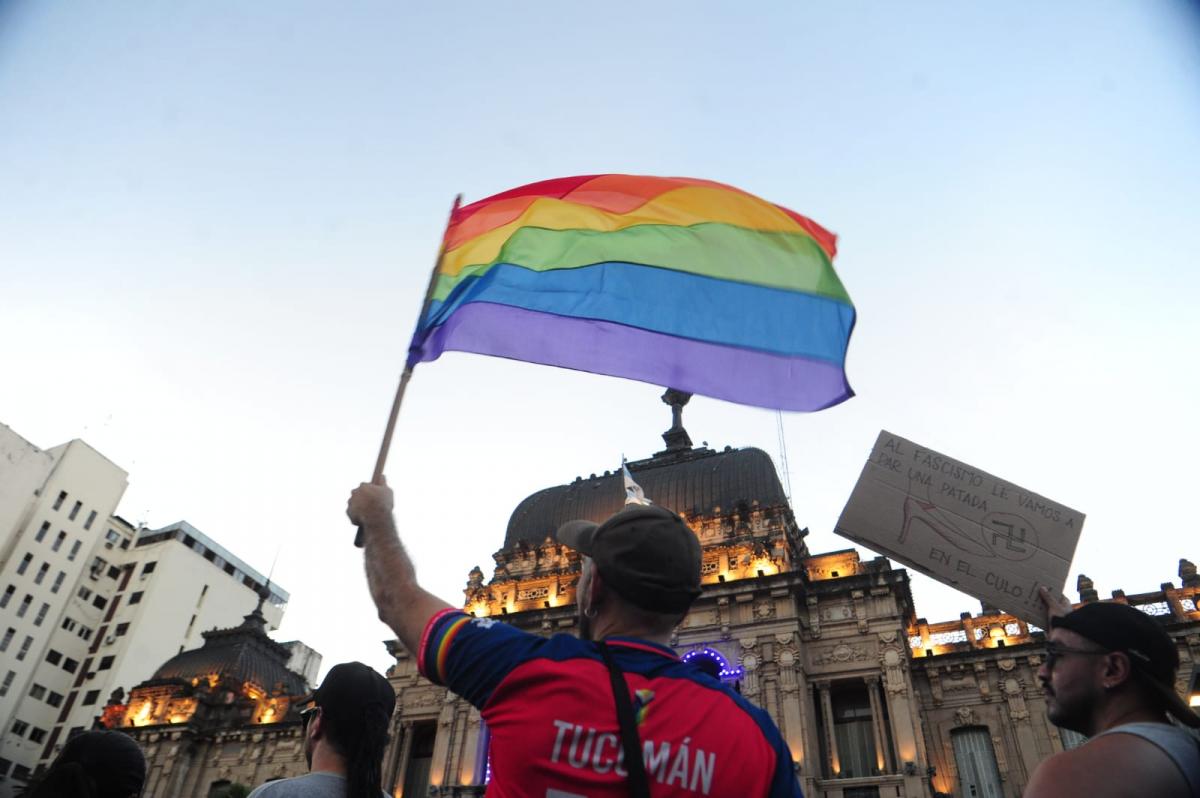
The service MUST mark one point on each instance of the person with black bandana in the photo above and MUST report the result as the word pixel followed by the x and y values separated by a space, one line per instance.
pixel 95 764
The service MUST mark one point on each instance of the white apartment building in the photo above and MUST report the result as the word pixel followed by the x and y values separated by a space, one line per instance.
pixel 55 507
pixel 90 604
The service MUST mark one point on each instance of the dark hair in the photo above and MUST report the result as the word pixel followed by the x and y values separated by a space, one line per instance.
pixel 360 742
pixel 95 764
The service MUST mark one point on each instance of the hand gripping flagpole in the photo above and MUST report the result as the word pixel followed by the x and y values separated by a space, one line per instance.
pixel 406 375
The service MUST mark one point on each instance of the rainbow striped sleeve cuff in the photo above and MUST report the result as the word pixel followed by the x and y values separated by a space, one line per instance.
pixel 435 643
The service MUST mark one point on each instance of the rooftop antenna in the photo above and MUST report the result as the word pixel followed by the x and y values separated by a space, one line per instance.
pixel 783 461
pixel 275 559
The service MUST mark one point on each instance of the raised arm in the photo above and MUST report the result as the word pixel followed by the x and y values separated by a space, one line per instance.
pixel 402 603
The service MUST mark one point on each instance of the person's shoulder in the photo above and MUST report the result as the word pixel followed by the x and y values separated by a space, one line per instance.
pixel 310 785
pixel 725 699
pixel 1108 765
pixel 274 789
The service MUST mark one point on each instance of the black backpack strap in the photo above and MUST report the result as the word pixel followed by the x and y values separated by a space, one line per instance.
pixel 639 785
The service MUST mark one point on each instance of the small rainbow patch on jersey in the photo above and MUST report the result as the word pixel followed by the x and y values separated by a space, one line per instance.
pixel 641 704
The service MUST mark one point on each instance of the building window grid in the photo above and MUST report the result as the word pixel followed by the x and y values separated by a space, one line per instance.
pixel 62 497
pixel 75 510
pixel 90 520
pixel 9 592
pixel 19 727
pixel 41 533
pixel 6 685
pixel 41 616
pixel 37 691
pixel 7 639
pixel 23 566
pixel 74 550
pixel 25 604
pixel 58 541
pixel 25 646
pixel 58 582
pixel 41 574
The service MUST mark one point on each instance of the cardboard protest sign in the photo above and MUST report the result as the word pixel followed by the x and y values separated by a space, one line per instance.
pixel 962 526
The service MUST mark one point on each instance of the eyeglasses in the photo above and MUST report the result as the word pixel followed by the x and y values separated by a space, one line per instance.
pixel 1055 652
pixel 307 714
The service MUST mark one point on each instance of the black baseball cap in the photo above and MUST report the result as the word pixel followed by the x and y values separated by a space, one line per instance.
pixel 646 553
pixel 349 691
pixel 1120 627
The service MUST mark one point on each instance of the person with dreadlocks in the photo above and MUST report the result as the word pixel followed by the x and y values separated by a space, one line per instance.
pixel 345 732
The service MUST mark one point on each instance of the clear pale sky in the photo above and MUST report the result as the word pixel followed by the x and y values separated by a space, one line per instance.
pixel 217 220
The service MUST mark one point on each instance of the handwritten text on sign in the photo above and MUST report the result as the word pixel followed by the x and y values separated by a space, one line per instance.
pixel 962 526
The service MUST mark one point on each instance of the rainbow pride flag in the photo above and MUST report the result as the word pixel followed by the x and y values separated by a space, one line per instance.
pixel 678 282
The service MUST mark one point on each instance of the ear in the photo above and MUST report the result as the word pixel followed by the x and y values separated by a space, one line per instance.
pixel 316 726
pixel 595 590
pixel 1118 669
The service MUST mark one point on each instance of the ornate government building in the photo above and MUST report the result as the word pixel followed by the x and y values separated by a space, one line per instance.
pixel 873 701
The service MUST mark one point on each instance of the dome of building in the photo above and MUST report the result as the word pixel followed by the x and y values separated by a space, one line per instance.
pixel 692 482
pixel 239 655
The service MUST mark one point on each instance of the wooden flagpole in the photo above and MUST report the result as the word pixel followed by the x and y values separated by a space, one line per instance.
pixel 406 375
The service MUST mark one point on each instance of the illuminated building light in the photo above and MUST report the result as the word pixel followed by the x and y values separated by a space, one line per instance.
pixel 764 567
pixel 1194 701
pixel 142 716
pixel 727 672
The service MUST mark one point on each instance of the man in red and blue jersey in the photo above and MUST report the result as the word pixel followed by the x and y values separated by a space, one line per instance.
pixel 550 702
